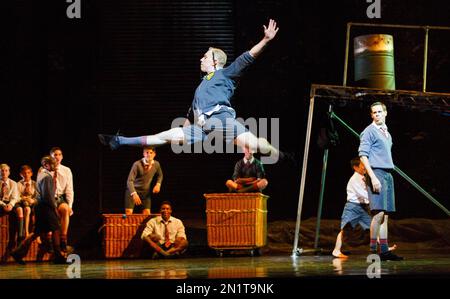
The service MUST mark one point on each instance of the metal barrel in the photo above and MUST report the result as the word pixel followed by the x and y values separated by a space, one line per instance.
pixel 374 61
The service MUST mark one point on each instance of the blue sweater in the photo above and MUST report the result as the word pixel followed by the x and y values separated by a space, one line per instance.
pixel 218 89
pixel 377 147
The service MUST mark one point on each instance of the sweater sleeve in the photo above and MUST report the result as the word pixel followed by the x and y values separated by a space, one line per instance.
pixel 47 194
pixel 132 177
pixel 260 173
pixel 159 173
pixel 237 67
pixel 365 144
pixel 237 170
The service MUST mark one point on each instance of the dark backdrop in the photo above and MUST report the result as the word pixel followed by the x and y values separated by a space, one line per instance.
pixel 133 65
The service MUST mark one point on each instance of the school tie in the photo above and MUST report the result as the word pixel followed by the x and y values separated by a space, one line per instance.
pixel 55 178
pixel 27 189
pixel 166 234
pixel 4 190
pixel 384 131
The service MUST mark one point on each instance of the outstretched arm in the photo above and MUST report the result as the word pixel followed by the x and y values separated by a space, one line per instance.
pixel 269 33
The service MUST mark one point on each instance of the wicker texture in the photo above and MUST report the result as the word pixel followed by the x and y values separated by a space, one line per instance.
pixel 122 234
pixel 34 253
pixel 236 220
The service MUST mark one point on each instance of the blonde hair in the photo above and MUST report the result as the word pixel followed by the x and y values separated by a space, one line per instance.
pixel 219 55
pixel 4 166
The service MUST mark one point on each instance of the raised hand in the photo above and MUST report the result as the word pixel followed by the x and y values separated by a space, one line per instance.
pixel 271 30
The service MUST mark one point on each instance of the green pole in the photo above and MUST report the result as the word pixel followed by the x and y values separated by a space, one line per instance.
pixel 425 61
pixel 322 190
pixel 398 170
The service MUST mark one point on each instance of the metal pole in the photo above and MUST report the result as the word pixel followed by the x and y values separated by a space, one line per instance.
pixel 303 178
pixel 322 190
pixel 347 45
pixel 400 26
pixel 399 171
pixel 425 61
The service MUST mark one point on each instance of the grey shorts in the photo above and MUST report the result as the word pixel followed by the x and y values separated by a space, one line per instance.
pixel 222 123
pixel 385 200
pixel 60 200
pixel 355 213
pixel 145 198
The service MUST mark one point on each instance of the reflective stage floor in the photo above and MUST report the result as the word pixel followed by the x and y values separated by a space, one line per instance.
pixel 236 267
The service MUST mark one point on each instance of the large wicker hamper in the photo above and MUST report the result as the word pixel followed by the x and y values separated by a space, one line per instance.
pixel 122 234
pixel 236 220
pixel 7 229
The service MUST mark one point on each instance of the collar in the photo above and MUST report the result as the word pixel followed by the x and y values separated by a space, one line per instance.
pixel 251 160
pixel 5 181
pixel 383 126
pixel 145 162
pixel 164 222
pixel 209 76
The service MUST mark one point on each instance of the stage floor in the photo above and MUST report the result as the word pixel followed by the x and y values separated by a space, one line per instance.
pixel 425 265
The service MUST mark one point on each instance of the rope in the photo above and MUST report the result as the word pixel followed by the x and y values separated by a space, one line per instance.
pixel 117 225
pixel 235 211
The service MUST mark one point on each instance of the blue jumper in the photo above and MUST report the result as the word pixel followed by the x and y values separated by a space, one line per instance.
pixel 376 147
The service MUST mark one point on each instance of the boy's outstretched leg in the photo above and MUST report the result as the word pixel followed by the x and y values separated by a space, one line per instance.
pixel 115 141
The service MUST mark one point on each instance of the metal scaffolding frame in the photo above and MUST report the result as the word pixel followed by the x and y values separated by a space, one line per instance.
pixel 413 100
pixel 417 100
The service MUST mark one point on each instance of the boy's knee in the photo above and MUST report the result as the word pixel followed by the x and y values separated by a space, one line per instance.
pixel 262 184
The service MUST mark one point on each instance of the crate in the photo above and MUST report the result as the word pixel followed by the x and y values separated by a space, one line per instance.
pixel 122 234
pixel 34 253
pixel 236 220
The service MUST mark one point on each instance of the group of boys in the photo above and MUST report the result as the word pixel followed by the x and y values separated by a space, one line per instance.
pixel 42 207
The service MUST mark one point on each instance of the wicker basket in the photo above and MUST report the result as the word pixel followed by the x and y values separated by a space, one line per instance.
pixel 34 253
pixel 122 234
pixel 4 236
pixel 236 220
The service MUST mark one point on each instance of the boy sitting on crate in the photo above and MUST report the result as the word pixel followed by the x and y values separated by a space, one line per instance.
pixel 165 234
pixel 248 176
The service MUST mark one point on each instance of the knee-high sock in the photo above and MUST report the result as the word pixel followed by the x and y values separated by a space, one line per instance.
pixel 249 188
pixel 172 135
pixel 384 246
pixel 133 141
pixel 56 242
pixel 20 228
pixel 24 246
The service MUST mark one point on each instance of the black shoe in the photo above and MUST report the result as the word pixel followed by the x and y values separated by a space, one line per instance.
pixel 64 246
pixel 111 140
pixel 47 246
pixel 18 258
pixel 59 259
pixel 389 256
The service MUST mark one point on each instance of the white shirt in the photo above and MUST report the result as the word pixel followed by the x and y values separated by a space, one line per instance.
pixel 251 160
pixel 21 185
pixel 12 197
pixel 381 128
pixel 357 189
pixel 157 226
pixel 64 183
